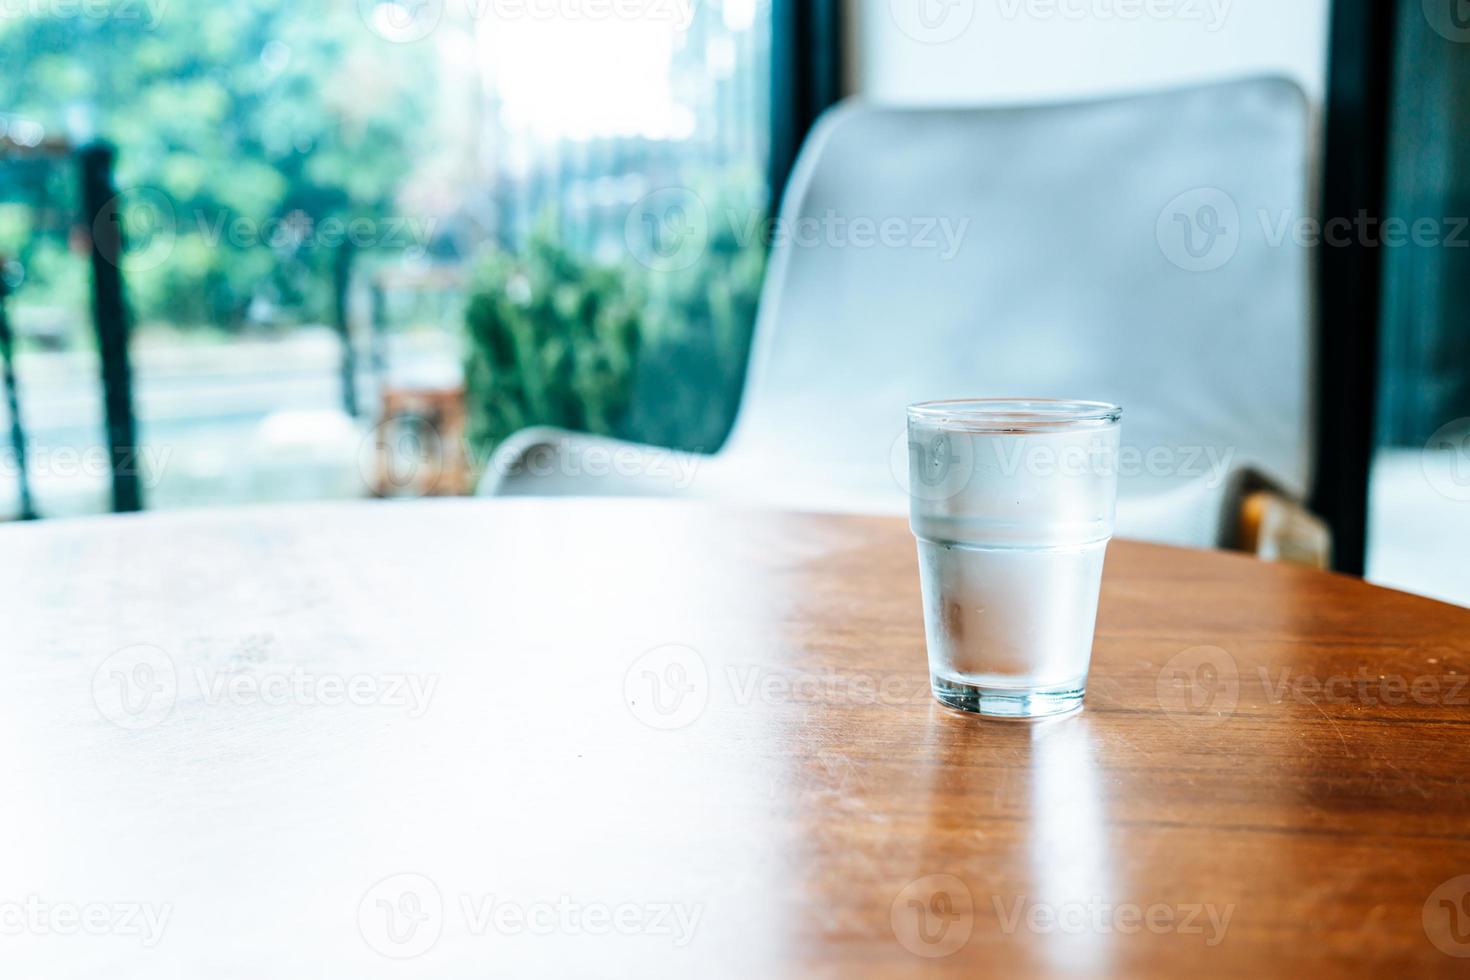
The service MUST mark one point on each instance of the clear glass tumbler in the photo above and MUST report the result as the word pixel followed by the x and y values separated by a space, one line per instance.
pixel 1012 503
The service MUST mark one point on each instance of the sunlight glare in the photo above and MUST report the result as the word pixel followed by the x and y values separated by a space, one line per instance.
pixel 584 79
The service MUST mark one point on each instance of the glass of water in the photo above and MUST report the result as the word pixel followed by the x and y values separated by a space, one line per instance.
pixel 1012 503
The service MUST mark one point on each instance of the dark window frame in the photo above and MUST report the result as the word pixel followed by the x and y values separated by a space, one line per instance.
pixel 1350 279
pixel 806 79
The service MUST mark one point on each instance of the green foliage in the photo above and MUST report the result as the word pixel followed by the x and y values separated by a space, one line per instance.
pixel 689 379
pixel 263 112
pixel 238 115
pixel 651 356
pixel 553 341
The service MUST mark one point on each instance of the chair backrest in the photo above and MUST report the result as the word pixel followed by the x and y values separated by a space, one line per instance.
pixel 1143 251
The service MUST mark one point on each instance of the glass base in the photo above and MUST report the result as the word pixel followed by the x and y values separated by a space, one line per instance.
pixel 1000 703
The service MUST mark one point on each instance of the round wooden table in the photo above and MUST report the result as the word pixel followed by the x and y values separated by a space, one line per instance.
pixel 577 738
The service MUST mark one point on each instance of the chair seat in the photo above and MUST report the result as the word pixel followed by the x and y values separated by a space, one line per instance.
pixel 553 462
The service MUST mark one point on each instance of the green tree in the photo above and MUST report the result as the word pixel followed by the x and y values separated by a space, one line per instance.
pixel 261 123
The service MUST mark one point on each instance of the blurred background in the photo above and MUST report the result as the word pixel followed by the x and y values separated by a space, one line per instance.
pixel 342 249
pixel 331 213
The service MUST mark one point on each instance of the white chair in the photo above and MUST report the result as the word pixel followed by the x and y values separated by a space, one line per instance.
pixel 1138 250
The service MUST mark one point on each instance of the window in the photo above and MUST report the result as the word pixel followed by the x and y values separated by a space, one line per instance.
pixel 1421 474
pixel 483 213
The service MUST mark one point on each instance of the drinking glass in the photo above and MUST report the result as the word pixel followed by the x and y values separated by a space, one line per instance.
pixel 1013 505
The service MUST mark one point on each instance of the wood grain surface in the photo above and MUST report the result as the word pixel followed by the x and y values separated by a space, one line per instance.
pixel 636 739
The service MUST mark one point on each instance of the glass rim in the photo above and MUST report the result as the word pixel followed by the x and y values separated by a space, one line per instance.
pixel 1016 414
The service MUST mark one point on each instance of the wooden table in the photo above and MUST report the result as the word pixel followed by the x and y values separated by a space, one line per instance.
pixel 525 738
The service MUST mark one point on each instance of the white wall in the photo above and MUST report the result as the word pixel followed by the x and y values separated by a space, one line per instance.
pixel 968 51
